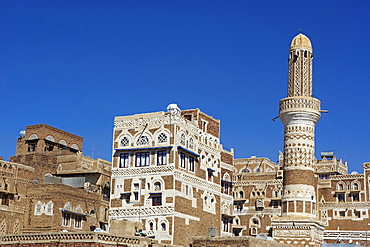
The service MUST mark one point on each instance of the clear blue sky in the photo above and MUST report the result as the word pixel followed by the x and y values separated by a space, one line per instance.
pixel 75 65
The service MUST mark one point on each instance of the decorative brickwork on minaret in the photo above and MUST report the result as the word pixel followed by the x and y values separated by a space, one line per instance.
pixel 299 113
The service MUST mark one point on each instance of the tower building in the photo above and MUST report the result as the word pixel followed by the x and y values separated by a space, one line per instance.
pixel 299 113
pixel 172 175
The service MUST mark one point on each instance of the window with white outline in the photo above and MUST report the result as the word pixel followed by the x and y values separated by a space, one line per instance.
pixel 182 160
pixel 125 142
pixel 324 176
pixel 157 186
pixel 78 221
pixel 191 164
pixel 210 175
pixel 226 222
pixel 341 197
pixel 162 138
pixel 156 200
pixel 49 208
pixel 142 159
pixel 355 197
pixel 136 196
pixel 191 143
pixel 163 226
pixel 39 208
pixel 340 187
pixel 66 221
pixel 225 187
pixel 162 158
pixel 142 141
pixel 124 160
pixel 204 125
pixel 245 170
pixel 355 186
pixel 182 139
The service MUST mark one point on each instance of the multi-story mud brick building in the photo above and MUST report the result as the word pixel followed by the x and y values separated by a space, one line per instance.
pixel 171 173
pixel 49 186
pixel 171 180
pixel 301 200
pixel 168 165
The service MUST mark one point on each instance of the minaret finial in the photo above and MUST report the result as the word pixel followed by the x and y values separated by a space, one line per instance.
pixel 300 30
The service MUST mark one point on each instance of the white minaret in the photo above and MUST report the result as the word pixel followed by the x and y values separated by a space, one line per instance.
pixel 299 113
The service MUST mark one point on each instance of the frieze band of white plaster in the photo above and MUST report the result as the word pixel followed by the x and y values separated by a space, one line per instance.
pixel 227 166
pixel 115 213
pixel 197 182
pixel 209 149
pixel 299 191
pixel 135 171
pixel 347 176
pixel 257 183
pixel 226 199
pixel 346 235
pixel 344 205
pixel 155 121
pixel 253 211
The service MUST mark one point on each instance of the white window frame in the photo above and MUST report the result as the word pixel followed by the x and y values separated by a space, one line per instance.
pixel 124 160
pixel 182 160
pixel 142 159
pixel 162 157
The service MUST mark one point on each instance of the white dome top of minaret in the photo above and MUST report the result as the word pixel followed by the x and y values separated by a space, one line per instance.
pixel 301 41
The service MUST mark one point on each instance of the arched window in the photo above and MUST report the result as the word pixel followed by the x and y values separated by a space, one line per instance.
pixel 163 227
pixel 142 141
pixel 39 208
pixel 245 170
pixel 33 137
pixel 49 208
pixel 68 206
pixel 241 194
pixel 340 187
pixel 355 186
pixel 162 138
pixel 191 143
pixel 182 139
pixel 125 142
pixel 74 146
pixel 157 186
pixel 50 138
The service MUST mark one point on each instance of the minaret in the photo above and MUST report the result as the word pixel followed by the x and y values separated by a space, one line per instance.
pixel 299 113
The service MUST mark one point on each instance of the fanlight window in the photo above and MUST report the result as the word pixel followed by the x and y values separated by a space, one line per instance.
pixel 33 137
pixel 142 141
pixel 157 186
pixel 191 143
pixel 245 170
pixel 50 138
pixel 162 138
pixel 340 187
pixel 355 186
pixel 182 139
pixel 125 141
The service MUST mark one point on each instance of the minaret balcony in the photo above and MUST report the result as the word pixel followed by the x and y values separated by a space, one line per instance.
pixel 299 103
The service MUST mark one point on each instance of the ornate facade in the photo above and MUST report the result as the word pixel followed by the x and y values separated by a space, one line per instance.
pixel 49 186
pixel 171 174
pixel 171 180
